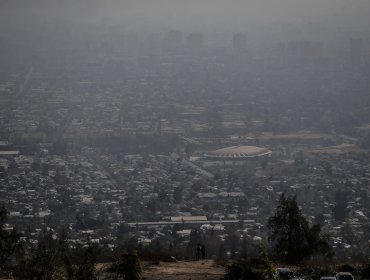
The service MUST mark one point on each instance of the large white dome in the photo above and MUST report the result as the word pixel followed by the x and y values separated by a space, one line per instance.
pixel 236 152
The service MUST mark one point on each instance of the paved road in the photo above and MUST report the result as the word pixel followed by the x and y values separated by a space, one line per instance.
pixel 205 173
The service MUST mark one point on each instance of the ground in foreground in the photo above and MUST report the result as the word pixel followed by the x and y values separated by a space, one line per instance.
pixel 181 270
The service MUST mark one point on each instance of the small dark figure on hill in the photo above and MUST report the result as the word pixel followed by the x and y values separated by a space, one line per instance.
pixel 203 250
pixel 197 251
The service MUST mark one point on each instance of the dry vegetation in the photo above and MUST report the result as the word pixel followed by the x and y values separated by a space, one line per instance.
pixel 195 270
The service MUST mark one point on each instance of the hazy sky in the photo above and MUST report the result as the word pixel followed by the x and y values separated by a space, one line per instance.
pixel 195 15
pixel 253 10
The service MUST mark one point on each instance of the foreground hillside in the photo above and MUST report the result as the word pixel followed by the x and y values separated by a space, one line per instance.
pixel 180 270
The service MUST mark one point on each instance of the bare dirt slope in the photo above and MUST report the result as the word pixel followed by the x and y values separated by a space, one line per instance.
pixel 194 270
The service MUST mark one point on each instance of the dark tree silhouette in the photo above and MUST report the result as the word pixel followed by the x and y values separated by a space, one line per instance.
pixel 340 211
pixel 128 266
pixel 9 241
pixel 255 268
pixel 291 238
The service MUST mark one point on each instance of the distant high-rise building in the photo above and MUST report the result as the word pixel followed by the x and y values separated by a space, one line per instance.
pixel 356 51
pixel 194 42
pixel 174 41
pixel 239 42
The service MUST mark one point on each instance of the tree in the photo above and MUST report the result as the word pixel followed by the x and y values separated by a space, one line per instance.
pixel 123 230
pixel 128 266
pixel 365 272
pixel 340 211
pixel 255 268
pixel 291 238
pixel 86 267
pixel 41 258
pixel 178 194
pixel 9 241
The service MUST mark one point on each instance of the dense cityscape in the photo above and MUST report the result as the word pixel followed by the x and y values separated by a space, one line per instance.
pixel 119 137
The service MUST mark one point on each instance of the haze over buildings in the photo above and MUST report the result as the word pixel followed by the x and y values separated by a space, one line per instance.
pixel 114 115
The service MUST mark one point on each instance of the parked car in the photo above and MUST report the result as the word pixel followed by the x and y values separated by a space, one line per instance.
pixel 344 276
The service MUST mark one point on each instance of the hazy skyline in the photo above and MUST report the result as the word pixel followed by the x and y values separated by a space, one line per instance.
pixel 195 14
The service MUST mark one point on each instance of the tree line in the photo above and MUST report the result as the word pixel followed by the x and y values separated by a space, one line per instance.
pixel 291 241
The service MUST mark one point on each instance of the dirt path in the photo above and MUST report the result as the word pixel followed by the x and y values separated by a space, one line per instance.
pixel 183 270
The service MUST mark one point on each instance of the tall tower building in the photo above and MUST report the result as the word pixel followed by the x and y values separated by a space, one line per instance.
pixel 173 42
pixel 239 42
pixel 194 42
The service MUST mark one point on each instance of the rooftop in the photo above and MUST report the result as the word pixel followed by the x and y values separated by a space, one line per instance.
pixel 236 152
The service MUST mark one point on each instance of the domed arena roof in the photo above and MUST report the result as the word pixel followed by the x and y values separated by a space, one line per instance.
pixel 238 152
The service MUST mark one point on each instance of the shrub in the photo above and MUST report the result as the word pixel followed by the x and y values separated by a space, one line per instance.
pixel 128 266
pixel 255 268
pixel 9 241
pixel 365 272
